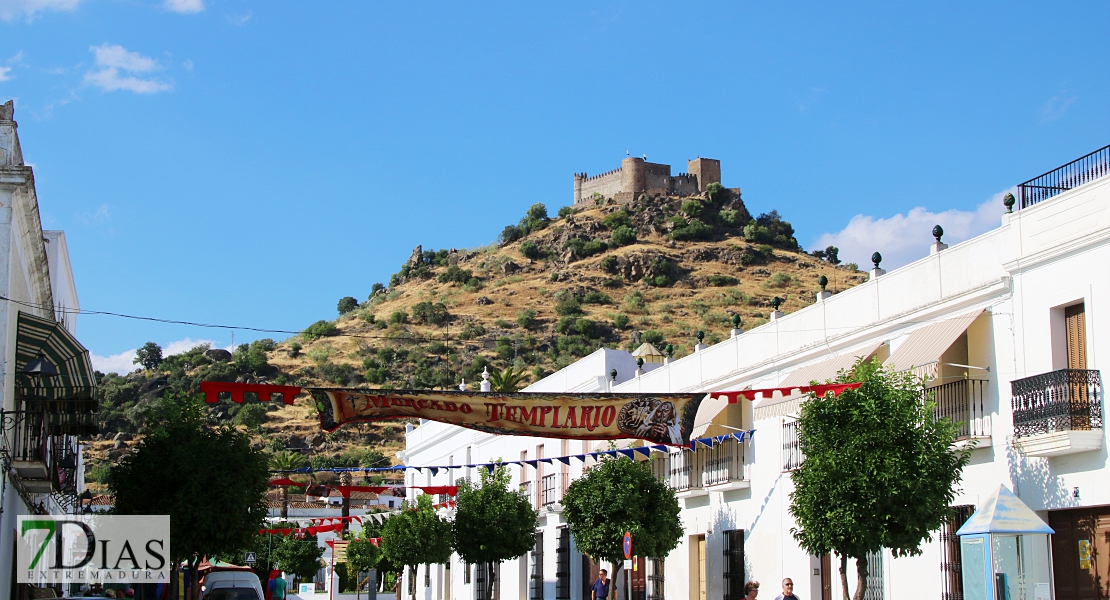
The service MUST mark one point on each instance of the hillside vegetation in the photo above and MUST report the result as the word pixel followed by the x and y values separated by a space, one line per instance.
pixel 553 289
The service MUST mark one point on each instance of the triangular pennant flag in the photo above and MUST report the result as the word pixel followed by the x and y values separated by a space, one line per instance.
pixel 593 455
pixel 630 453
pixel 581 457
pixel 546 460
pixel 564 459
pixel 720 439
pixel 531 463
pixel 434 470
pixel 643 450
pixel 707 442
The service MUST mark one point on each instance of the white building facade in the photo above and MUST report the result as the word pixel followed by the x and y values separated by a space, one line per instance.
pixel 41 459
pixel 1006 329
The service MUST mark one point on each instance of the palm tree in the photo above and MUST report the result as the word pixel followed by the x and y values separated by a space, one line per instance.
pixel 286 461
pixel 509 380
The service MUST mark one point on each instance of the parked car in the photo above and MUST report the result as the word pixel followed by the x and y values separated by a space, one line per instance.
pixel 231 585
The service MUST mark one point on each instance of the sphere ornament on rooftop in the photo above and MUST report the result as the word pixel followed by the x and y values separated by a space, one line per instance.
pixel 736 321
pixel 937 232
pixel 700 335
pixel 776 302
pixel 822 281
pixel 876 258
pixel 669 350
pixel 1009 201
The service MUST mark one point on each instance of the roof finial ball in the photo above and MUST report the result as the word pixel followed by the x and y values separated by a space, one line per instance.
pixel 736 321
pixel 640 362
pixel 937 232
pixel 776 302
pixel 876 272
pixel 1009 201
pixel 937 245
pixel 700 335
pixel 822 281
pixel 613 374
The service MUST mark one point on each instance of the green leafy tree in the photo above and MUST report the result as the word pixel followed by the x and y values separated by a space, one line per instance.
pixel 362 556
pixel 492 522
pixel 347 304
pixel 417 536
pixel 619 495
pixel 300 557
pixel 183 468
pixel 623 236
pixel 149 356
pixel 880 470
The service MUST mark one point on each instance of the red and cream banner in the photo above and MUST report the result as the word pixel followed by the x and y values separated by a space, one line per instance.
pixel 659 418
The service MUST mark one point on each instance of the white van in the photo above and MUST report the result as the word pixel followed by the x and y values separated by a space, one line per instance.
pixel 231 585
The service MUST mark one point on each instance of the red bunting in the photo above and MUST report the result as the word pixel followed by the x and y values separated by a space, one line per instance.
pixel 450 490
pixel 285 481
pixel 819 390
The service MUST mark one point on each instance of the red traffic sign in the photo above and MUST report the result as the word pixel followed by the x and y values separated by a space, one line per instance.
pixel 627 545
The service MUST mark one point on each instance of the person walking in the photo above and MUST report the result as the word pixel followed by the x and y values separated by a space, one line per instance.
pixel 600 588
pixel 279 587
pixel 787 590
pixel 751 590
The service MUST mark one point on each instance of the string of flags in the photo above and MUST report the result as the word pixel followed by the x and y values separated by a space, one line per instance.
pixel 708 442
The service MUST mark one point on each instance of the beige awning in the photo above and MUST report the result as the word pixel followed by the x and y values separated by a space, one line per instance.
pixel 710 407
pixel 926 345
pixel 827 369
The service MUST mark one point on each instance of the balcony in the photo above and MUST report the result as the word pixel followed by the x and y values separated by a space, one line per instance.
pixel 1058 413
pixel 964 403
pixel 526 489
pixel 553 488
pixel 698 472
pixel 1061 179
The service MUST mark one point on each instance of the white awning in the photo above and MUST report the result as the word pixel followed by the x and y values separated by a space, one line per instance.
pixel 926 345
pixel 827 369
pixel 711 406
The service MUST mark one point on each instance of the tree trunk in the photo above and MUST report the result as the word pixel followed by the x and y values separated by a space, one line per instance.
pixel 489 581
pixel 284 502
pixel 615 578
pixel 844 575
pixel 175 570
pixel 861 576
pixel 412 582
pixel 345 479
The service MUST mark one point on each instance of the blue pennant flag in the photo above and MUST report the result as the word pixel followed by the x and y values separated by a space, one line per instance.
pixel 630 453
pixel 434 470
pixel 546 460
pixel 644 451
pixel 564 459
pixel 660 447
pixel 531 463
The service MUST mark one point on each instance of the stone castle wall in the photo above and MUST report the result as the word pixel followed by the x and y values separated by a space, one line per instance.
pixel 637 176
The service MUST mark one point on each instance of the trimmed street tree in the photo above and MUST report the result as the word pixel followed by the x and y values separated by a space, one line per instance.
pixel 880 470
pixel 362 555
pixel 300 557
pixel 492 522
pixel 207 479
pixel 417 536
pixel 619 495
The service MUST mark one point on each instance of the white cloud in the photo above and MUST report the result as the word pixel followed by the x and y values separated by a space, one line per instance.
pixel 10 9
pixel 904 238
pixel 184 6
pixel 118 69
pixel 187 65
pixel 239 19
pixel 1056 106
pixel 124 362
pixel 102 214
pixel 4 73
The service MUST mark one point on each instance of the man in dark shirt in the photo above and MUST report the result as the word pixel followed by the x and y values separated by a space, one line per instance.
pixel 600 589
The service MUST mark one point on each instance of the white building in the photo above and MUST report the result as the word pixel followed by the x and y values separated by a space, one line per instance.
pixel 42 463
pixel 1005 325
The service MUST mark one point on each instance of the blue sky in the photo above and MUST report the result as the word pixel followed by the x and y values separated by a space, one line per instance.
pixel 250 163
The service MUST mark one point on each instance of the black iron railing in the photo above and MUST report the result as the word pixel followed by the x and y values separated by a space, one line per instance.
pixel 792 456
pixel 1072 175
pixel 690 470
pixel 724 462
pixel 964 403
pixel 1069 399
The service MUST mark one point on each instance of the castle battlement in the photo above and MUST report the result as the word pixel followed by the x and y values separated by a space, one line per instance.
pixel 635 176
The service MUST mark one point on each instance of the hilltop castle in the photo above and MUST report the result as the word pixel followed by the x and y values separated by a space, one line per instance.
pixel 636 176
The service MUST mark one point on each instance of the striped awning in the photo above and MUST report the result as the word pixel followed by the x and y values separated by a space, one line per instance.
pixel 75 380
pixel 921 351
pixel 826 370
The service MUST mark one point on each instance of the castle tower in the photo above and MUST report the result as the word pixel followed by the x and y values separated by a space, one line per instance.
pixel 707 170
pixel 578 177
pixel 10 153
pixel 633 175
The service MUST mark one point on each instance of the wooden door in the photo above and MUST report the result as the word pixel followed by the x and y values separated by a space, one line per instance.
pixel 590 572
pixel 639 579
pixel 826 577
pixel 701 567
pixel 1075 529
pixel 1075 325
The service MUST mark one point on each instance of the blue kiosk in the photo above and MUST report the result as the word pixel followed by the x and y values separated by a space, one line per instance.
pixel 1005 551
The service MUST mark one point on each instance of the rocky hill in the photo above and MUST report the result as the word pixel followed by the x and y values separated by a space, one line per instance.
pixel 553 289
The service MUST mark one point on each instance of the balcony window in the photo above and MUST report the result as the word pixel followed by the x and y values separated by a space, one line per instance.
pixel 792 456
pixel 691 470
pixel 554 486
pixel 962 402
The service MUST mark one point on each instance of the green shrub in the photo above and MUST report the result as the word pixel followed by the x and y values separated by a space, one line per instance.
pixel 615 282
pixel 530 249
pixel 566 324
pixel 722 280
pixel 398 317
pixel 587 328
pixel 567 306
pixel 428 313
pixel 566 211
pixel 347 304
pixel 623 236
pixel 377 287
pixel 320 329
pixel 730 218
pixel 695 230
pixel 778 280
pixel 504 348
pixel 526 318
pixel 473 285
pixel 633 303
pixel 455 274
pixel 617 219
pixel 654 337
pixel 502 323
pixel 471 330
pixel 251 415
pixel 692 208
pixel 716 192
pixel 609 264
pixel 596 297
pixel 620 321
pixel 584 248
pixel 509 234
pixel 658 281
